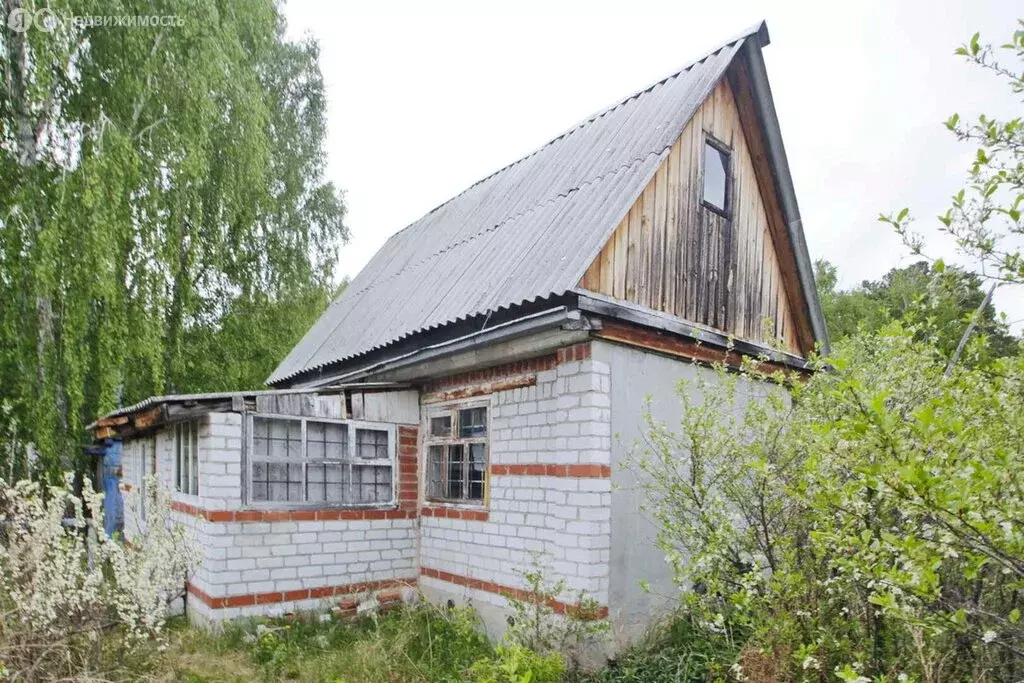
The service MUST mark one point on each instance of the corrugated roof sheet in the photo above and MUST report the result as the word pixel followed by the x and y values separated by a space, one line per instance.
pixel 528 231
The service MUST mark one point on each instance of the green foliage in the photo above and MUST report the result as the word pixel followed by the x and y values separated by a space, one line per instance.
pixel 165 223
pixel 985 215
pixel 865 518
pixel 514 663
pixel 935 301
pixel 535 625
pixel 678 652
pixel 423 643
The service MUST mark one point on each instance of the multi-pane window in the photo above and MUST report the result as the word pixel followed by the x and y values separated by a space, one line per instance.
pixel 186 457
pixel 309 461
pixel 457 455
pixel 716 177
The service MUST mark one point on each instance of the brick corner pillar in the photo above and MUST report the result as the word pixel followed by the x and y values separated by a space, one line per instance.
pixel 408 469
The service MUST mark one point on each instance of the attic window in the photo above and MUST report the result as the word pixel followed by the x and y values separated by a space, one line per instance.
pixel 716 177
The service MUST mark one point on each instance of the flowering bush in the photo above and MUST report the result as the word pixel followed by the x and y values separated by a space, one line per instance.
pixel 67 589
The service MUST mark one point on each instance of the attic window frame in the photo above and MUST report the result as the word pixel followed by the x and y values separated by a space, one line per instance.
pixel 711 141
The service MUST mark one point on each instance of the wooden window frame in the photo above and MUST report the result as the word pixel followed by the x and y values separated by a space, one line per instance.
pixel 452 410
pixel 712 141
pixel 248 460
pixel 191 459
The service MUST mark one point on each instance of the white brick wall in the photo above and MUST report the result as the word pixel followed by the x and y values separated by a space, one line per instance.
pixel 563 522
pixel 254 557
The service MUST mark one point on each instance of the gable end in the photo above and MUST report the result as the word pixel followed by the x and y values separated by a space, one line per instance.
pixel 732 270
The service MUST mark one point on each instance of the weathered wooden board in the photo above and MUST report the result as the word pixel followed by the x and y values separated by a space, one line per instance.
pixel 402 406
pixel 734 272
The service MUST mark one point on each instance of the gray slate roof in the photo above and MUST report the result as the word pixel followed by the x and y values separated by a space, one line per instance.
pixel 524 233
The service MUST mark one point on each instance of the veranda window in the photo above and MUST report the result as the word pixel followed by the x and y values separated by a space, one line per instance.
pixel 457 454
pixel 186 450
pixel 306 461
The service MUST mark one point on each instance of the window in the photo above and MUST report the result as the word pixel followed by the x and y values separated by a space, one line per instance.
pixel 186 457
pixel 457 455
pixel 319 462
pixel 146 467
pixel 716 177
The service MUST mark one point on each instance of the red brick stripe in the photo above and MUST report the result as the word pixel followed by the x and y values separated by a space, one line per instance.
pixel 408 470
pixel 542 470
pixel 575 352
pixel 506 591
pixel 454 513
pixel 326 515
pixel 674 345
pixel 300 594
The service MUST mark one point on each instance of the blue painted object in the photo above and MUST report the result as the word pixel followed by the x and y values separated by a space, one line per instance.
pixel 113 504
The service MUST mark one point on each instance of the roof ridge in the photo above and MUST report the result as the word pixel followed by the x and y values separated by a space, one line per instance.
pixel 757 28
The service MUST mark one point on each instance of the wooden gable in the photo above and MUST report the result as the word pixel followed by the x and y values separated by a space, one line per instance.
pixel 734 272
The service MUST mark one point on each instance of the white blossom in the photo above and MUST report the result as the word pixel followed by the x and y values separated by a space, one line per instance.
pixel 62 577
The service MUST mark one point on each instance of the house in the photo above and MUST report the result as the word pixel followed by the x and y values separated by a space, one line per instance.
pixel 467 406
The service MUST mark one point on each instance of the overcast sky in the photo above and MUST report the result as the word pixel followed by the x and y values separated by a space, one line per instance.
pixel 425 98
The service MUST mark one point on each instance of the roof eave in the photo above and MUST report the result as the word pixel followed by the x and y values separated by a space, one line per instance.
pixel 556 317
pixel 765 107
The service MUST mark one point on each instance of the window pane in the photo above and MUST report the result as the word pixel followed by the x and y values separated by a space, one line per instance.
pixel 456 477
pixel 716 171
pixel 194 457
pixel 371 483
pixel 276 438
pixel 285 482
pixel 441 426
pixel 477 467
pixel 473 422
pixel 326 483
pixel 259 481
pixel 435 457
pixel 179 465
pixel 371 444
pixel 326 441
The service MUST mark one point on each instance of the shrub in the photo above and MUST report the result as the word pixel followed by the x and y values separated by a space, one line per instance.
pixel 536 625
pixel 72 598
pixel 675 652
pixel 864 524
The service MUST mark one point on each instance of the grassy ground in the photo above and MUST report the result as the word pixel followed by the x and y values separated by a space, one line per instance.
pixel 422 644
pixel 408 645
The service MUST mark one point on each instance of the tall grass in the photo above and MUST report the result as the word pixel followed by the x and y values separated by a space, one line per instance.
pixel 423 643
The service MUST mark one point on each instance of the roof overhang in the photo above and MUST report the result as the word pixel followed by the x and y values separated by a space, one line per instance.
pixel 489 345
pixel 598 304
pixel 764 106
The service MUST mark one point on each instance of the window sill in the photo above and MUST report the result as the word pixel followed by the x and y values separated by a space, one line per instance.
pixel 308 514
pixel 317 505
pixel 724 213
